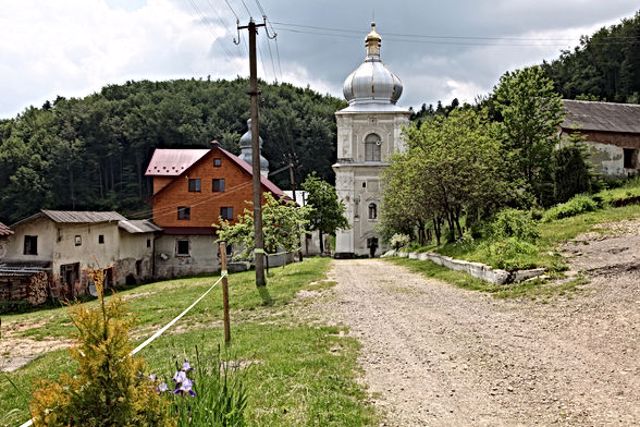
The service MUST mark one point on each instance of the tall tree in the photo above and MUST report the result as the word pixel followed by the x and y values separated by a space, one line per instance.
pixel 531 112
pixel 328 212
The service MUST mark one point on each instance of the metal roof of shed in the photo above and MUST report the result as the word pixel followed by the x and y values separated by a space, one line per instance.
pixel 75 217
pixel 601 116
pixel 135 226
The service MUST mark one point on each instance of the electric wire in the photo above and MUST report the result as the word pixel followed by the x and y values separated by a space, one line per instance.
pixel 206 20
pixel 433 36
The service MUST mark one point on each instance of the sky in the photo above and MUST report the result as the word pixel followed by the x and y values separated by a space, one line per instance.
pixel 440 50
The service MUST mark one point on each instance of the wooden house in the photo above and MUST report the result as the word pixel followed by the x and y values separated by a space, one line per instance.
pixel 192 190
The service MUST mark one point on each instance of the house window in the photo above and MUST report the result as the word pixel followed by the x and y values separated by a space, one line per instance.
pixel 372 145
pixel 194 185
pixel 184 213
pixel 78 240
pixel 226 213
pixel 373 211
pixel 218 185
pixel 217 163
pixel 101 239
pixel 31 245
pixel 364 184
pixel 630 158
pixel 182 248
pixel 148 243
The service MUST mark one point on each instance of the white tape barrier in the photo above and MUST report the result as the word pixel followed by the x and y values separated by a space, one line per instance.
pixel 284 252
pixel 162 330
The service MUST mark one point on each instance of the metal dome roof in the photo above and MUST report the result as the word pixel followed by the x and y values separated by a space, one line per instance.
pixel 246 149
pixel 372 82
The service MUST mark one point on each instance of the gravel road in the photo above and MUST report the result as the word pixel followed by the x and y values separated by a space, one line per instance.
pixel 437 355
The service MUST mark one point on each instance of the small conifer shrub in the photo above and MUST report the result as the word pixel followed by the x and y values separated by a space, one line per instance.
pixel 109 388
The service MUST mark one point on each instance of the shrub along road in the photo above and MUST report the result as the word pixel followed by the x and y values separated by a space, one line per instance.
pixel 438 355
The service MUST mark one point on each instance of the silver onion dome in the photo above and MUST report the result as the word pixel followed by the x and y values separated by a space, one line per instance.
pixel 372 82
pixel 246 149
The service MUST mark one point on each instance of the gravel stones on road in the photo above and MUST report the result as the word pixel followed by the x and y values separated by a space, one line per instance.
pixel 436 355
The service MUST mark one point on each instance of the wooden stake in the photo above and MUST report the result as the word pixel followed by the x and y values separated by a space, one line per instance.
pixel 225 293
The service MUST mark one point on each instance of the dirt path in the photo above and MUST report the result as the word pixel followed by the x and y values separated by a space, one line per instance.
pixel 436 355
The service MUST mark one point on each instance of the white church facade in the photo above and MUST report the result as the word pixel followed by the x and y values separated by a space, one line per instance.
pixel 369 133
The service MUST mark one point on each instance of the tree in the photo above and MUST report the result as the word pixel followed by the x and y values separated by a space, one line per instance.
pixel 328 212
pixel 453 166
pixel 283 223
pixel 531 112
pixel 572 171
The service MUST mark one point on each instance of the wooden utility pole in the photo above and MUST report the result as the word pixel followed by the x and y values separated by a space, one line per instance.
pixel 225 293
pixel 255 153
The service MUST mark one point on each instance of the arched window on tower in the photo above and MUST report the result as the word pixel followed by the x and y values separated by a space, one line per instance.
pixel 372 145
pixel 373 211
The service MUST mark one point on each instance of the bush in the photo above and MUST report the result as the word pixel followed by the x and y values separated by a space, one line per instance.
pixel 109 388
pixel 514 223
pixel 399 241
pixel 511 254
pixel 577 205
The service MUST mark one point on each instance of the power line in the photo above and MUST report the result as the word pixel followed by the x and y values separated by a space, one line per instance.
pixel 206 20
pixel 408 39
pixel 246 8
pixel 432 36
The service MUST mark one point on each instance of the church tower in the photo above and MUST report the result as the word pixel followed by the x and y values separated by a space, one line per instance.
pixel 369 133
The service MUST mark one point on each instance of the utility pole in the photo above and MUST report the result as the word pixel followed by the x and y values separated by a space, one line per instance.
pixel 255 151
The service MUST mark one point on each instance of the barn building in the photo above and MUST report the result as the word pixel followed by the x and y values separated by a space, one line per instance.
pixel 49 253
pixel 611 131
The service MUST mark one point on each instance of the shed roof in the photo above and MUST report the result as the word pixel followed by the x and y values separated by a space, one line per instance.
pixel 82 216
pixel 601 116
pixel 75 217
pixel 136 226
pixel 4 230
pixel 173 161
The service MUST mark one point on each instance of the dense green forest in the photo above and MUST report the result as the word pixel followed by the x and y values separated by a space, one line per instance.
pixel 91 153
pixel 605 66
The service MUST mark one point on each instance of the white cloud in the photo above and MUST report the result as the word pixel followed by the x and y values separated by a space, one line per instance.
pixel 74 47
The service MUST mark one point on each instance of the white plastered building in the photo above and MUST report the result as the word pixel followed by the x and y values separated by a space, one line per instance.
pixel 369 133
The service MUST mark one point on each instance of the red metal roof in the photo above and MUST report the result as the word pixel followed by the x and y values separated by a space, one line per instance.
pixel 173 161
pixel 162 159
pixel 4 230
pixel 247 167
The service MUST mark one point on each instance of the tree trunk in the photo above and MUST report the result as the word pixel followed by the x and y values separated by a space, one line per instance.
pixel 437 230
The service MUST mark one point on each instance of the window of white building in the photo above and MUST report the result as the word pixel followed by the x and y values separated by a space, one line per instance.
pixel 372 144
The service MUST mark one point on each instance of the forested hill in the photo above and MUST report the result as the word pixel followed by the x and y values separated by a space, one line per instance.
pixel 605 66
pixel 92 153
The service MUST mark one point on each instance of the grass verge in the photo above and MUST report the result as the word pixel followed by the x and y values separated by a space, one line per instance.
pixel 535 289
pixel 298 374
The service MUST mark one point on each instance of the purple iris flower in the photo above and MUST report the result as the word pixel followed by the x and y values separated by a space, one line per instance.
pixel 186 366
pixel 180 376
pixel 153 377
pixel 162 387
pixel 185 387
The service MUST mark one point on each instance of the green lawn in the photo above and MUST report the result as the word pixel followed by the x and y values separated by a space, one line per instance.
pixel 552 234
pixel 302 373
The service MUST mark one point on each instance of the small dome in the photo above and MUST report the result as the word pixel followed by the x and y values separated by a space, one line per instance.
pixel 246 149
pixel 372 82
pixel 245 140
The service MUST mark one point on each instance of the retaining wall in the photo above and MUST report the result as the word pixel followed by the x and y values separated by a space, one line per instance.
pixel 475 269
